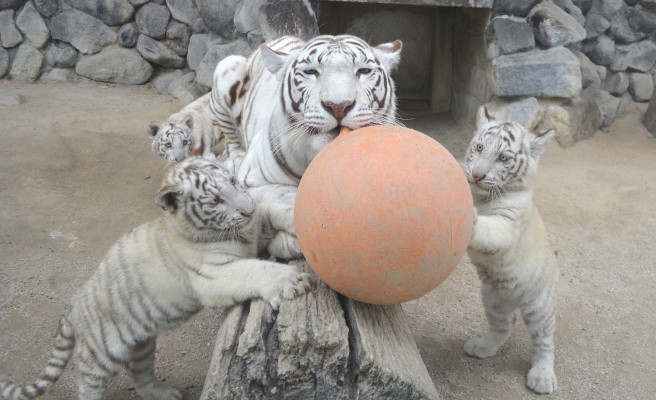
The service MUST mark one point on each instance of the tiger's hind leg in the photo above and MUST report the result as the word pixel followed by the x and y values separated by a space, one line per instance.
pixel 140 367
pixel 95 374
pixel 501 318
pixel 541 322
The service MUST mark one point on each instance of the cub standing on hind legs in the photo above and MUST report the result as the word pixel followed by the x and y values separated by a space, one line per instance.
pixel 159 275
pixel 508 244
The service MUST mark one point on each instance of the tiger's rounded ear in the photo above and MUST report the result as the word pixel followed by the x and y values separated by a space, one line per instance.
pixel 168 198
pixel 189 121
pixel 539 140
pixel 389 54
pixel 483 117
pixel 153 128
pixel 275 61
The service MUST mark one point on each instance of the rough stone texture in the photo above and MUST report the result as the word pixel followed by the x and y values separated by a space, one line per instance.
pixel 4 4
pixel 641 86
pixel 30 22
pixel 137 3
pixel 152 20
pixel 525 111
pixel 513 7
pixel 47 8
pixel 608 104
pixel 637 56
pixel 218 15
pixel 631 2
pixel 570 8
pixel 185 88
pixel 61 55
pixel 506 35
pixel 583 5
pixel 205 70
pixel 600 50
pixel 199 43
pixel 59 75
pixel 589 74
pixel 650 115
pixel 246 16
pixel 616 83
pixel 8 99
pixel 553 26
pixel 163 79
pixel 595 25
pixel 183 10
pixel 115 65
pixel 255 38
pixel 602 71
pixel 574 120
pixel 198 26
pixel 27 64
pixel 648 4
pixel 607 8
pixel 287 17
pixel 4 62
pixel 177 37
pixel 112 12
pixel 632 24
pixel 551 73
pixel 157 53
pixel 128 34
pixel 10 36
pixel 625 100
pixel 86 33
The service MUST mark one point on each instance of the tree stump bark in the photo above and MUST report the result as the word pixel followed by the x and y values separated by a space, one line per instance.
pixel 318 346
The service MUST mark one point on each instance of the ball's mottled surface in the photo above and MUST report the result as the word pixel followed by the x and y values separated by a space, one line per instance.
pixel 383 214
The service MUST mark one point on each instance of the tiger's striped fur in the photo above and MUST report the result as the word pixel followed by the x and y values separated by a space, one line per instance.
pixel 298 97
pixel 181 133
pixel 509 245
pixel 156 277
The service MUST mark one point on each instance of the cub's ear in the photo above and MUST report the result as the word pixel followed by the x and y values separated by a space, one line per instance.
pixel 483 117
pixel 153 127
pixel 389 54
pixel 276 61
pixel 539 140
pixel 189 121
pixel 168 198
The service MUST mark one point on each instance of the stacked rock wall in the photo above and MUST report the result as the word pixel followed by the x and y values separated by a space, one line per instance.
pixel 175 44
pixel 582 61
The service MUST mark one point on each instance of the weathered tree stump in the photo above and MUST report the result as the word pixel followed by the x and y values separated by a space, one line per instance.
pixel 319 346
pixel 650 115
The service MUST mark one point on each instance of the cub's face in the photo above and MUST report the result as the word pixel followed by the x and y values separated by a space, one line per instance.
pixel 336 81
pixel 205 195
pixel 502 154
pixel 172 141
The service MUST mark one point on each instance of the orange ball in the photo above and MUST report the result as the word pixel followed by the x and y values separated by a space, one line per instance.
pixel 383 214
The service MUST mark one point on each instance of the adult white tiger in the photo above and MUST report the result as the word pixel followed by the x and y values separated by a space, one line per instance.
pixel 298 97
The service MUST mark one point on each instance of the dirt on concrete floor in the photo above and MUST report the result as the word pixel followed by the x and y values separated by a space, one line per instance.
pixel 76 173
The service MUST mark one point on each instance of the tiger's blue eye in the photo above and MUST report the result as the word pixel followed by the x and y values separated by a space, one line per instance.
pixel 168 145
pixel 311 71
pixel 364 71
pixel 479 147
pixel 217 200
pixel 185 142
pixel 503 157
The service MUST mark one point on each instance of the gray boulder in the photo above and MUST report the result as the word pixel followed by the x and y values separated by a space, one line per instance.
pixel 637 56
pixel 632 24
pixel 583 5
pixel 185 88
pixel 218 15
pixel 152 20
pixel 112 12
pixel 246 16
pixel 287 17
pixel 27 65
pixel 608 104
pixel 8 99
pixel 600 50
pixel 86 33
pixel 553 26
pixel 60 55
pixel 602 71
pixel 595 25
pixel 216 53
pixel 507 35
pixel 255 38
pixel 607 8
pixel 513 7
pixel 570 8
pixel 59 75
pixel 7 4
pixel 47 8
pixel 648 4
pixel 199 43
pixel 128 34
pixel 183 10
pixel 30 22
pixel 115 65
pixel 525 111
pixel 198 26
pixel 552 73
pixel 641 86
pixel 589 74
pixel 4 62
pixel 138 3
pixel 163 79
pixel 616 83
pixel 574 120
pixel 177 37
pixel 157 53
pixel 625 100
pixel 10 36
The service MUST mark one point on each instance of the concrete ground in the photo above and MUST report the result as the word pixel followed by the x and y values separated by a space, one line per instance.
pixel 76 172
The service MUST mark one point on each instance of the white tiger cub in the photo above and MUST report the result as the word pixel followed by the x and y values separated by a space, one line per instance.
pixel 156 277
pixel 298 97
pixel 182 132
pixel 508 244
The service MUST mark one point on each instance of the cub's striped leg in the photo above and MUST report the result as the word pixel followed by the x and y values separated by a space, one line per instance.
pixel 140 368
pixel 96 370
pixel 501 318
pixel 541 322
pixel 230 79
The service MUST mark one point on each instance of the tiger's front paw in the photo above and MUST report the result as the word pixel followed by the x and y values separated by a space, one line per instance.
pixel 288 283
pixel 481 347
pixel 285 245
pixel 542 380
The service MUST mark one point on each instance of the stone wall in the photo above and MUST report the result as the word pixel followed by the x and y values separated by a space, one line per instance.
pixel 175 44
pixel 570 64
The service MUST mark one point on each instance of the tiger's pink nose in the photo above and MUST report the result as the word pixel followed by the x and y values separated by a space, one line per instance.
pixel 478 177
pixel 338 110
